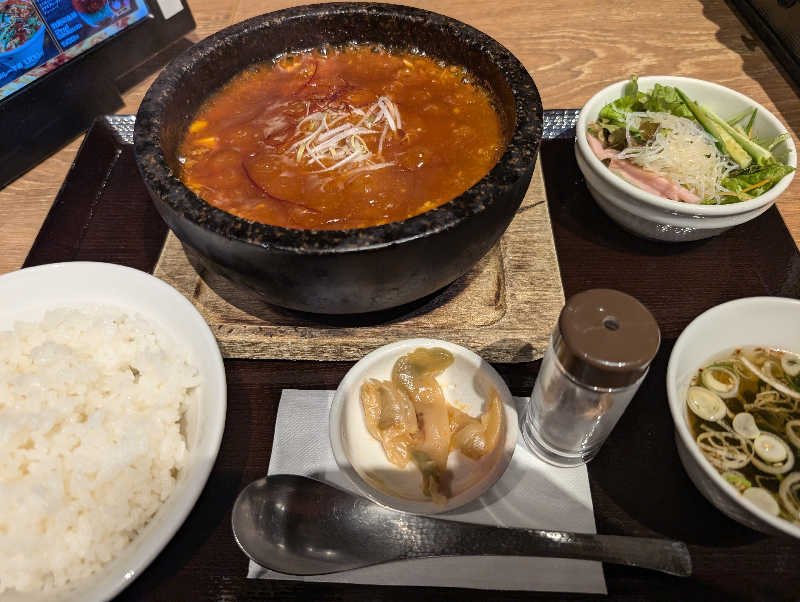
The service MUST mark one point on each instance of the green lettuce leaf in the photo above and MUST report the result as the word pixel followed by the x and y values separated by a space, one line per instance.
pixel 664 99
pixel 614 112
pixel 612 115
pixel 746 178
pixel 728 199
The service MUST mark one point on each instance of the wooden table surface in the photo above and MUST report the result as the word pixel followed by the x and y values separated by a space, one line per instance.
pixel 572 49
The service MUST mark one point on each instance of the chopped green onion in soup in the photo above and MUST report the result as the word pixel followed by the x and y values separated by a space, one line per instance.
pixel 752 437
pixel 706 404
pixel 745 425
pixel 763 499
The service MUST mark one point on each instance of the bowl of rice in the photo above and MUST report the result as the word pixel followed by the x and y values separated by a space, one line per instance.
pixel 112 409
pixel 613 181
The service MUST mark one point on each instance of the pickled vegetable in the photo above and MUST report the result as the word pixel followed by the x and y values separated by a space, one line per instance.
pixel 411 418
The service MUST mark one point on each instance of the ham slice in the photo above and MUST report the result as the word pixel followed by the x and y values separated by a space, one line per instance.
pixel 598 148
pixel 641 178
pixel 652 182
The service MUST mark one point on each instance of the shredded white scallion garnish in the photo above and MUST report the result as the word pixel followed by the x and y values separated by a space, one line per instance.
pixel 333 147
pixel 680 150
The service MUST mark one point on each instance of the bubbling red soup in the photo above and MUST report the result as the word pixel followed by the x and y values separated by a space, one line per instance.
pixel 341 138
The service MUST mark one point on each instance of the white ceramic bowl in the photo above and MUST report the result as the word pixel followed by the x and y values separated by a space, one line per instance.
pixel 468 382
pixel 760 321
pixel 652 216
pixel 27 294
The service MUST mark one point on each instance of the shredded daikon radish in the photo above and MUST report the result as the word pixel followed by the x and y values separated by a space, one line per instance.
pixel 681 151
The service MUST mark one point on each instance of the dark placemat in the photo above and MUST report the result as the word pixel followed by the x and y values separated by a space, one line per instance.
pixel 677 281
pixel 103 211
pixel 638 484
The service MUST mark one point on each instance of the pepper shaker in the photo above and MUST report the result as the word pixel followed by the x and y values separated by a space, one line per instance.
pixel 599 354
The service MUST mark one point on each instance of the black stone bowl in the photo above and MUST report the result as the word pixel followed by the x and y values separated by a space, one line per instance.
pixel 343 271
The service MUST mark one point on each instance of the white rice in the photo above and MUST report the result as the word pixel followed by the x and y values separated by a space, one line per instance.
pixel 91 403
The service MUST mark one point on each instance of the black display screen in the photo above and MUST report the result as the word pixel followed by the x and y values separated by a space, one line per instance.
pixel 37 36
pixel 65 62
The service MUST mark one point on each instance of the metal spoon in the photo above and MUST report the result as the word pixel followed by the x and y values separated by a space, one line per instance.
pixel 301 526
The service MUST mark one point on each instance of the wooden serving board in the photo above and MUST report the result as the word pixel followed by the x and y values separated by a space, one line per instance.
pixel 503 309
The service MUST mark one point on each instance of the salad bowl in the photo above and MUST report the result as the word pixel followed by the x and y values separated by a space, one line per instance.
pixel 651 216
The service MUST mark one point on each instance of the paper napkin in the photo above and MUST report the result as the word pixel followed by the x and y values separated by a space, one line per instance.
pixel 531 494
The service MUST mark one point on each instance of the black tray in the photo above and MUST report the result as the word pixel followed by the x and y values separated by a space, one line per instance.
pixel 638 484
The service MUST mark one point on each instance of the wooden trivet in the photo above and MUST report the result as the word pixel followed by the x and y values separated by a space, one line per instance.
pixel 503 309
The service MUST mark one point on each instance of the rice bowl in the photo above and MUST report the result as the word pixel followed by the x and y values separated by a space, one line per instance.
pixel 91 405
pixel 147 315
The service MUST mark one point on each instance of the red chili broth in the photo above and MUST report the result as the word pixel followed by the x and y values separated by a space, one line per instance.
pixel 240 152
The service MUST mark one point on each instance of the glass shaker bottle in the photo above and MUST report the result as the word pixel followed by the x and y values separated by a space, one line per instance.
pixel 599 354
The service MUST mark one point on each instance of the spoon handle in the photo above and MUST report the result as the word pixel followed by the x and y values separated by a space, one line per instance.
pixel 663 555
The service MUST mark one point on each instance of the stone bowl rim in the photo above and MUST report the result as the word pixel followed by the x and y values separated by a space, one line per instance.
pixel 519 155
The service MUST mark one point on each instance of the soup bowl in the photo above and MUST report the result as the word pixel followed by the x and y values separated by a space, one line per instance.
pixel 340 271
pixel 754 321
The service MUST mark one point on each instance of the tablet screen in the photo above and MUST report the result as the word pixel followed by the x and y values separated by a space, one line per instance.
pixel 37 36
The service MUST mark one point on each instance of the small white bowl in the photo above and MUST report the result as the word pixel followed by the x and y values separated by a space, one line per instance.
pixel 757 321
pixel 466 384
pixel 27 294
pixel 652 216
